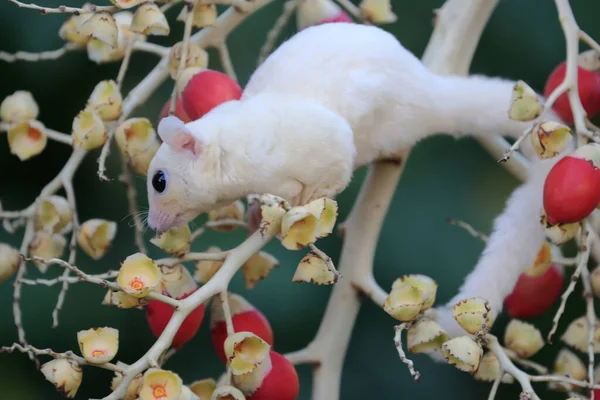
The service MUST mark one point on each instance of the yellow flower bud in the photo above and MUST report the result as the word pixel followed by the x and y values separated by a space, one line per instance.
pixel 377 11
pixel 149 20
pixel 204 15
pixel 204 388
pixel 463 353
pixel 176 281
pixel 100 26
pixel 159 384
pixel 227 392
pixel 9 261
pixel 106 100
pixel 88 130
pixel 299 228
pixel 427 285
pixel 245 351
pixel 205 269
pixel 98 345
pixel 53 215
pixel 27 139
pixel 68 30
pixel 95 237
pixel 196 57
pixel 258 267
pixel 404 302
pixel 425 336
pixel 175 241
pixel 559 234
pixel 19 107
pixel 525 104
pixel 327 211
pixel 47 245
pixel 549 138
pixel 65 374
pixel 99 52
pixel 234 211
pixel 134 385
pixel 523 338
pixel 473 314
pixel 489 368
pixel 567 364
pixel 272 210
pixel 577 337
pixel 122 300
pixel 314 270
pixel 138 275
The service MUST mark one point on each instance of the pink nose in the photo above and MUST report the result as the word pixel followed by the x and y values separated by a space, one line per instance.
pixel 160 222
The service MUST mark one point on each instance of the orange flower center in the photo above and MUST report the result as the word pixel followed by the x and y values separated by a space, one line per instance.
pixel 97 353
pixel 137 284
pixel 159 391
pixel 34 134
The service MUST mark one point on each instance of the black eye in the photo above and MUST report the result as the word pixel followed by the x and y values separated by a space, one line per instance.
pixel 159 181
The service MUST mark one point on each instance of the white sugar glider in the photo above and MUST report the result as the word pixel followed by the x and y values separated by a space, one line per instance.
pixel 330 99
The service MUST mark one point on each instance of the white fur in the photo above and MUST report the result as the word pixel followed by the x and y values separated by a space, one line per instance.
pixel 327 91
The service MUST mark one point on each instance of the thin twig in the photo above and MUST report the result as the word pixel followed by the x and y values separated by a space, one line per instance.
pixel 469 228
pixel 588 295
pixel 226 61
pixel 64 9
pixel 49 352
pixel 69 279
pixel 496 384
pixel 40 56
pixel 398 343
pixel 288 10
pixel 187 32
pixel 584 254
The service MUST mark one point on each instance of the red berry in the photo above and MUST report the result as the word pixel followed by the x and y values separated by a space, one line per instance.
pixel 179 111
pixel 280 383
pixel 245 318
pixel 159 314
pixel 571 190
pixel 206 90
pixel 534 295
pixel 589 92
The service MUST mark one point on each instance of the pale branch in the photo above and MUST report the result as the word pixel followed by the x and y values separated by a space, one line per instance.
pixel 69 279
pixel 40 56
pixel 496 385
pixel 152 48
pixel 125 64
pixel 540 369
pixel 587 39
pixel 469 228
pixel 572 33
pixel 64 9
pixel 194 256
pixel 588 295
pixel 66 173
pixel 68 185
pixel 288 11
pixel 507 365
pixel 127 179
pixel 368 286
pixel 449 51
pixel 187 32
pixel 302 356
pixel 101 282
pixel 226 61
pixel 515 145
pixel 584 254
pixel 217 284
pixel 106 147
pixel 167 6
pixel 398 343
pixel 227 313
pixel 49 352
pixel 327 260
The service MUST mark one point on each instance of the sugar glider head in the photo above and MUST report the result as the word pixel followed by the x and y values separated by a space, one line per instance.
pixel 180 179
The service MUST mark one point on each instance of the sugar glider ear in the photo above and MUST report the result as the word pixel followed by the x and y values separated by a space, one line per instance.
pixel 173 131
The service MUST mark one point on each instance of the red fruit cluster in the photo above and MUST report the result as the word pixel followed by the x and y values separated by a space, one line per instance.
pixel 572 187
pixel 534 295
pixel 204 91
pixel 281 382
pixel 589 92
pixel 159 314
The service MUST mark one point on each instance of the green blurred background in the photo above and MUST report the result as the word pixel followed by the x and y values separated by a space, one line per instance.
pixel 444 177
